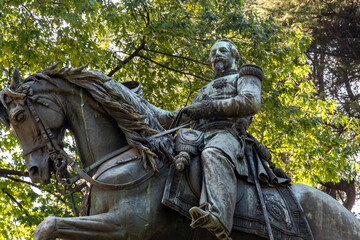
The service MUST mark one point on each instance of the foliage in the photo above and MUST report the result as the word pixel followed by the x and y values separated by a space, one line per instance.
pixel 164 44
pixel 334 59
pixel 334 52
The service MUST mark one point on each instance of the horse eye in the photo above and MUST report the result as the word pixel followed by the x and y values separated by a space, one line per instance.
pixel 20 117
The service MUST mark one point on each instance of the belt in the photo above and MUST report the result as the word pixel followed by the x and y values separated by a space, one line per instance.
pixel 217 125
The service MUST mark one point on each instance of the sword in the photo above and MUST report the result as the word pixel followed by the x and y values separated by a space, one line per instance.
pixel 187 124
pixel 249 154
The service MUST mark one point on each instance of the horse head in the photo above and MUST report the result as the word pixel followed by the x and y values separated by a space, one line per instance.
pixel 35 120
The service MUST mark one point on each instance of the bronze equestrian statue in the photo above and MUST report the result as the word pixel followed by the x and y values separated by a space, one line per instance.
pixel 127 161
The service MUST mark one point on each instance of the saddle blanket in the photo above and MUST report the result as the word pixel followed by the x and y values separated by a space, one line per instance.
pixel 285 213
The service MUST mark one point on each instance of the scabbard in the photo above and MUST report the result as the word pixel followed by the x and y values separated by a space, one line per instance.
pixel 250 157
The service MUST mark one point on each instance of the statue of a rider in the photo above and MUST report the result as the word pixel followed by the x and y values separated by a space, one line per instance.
pixel 223 111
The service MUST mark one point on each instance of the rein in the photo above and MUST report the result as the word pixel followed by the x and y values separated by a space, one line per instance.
pixel 61 160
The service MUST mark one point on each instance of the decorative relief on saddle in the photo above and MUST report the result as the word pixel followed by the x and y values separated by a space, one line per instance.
pixel 277 210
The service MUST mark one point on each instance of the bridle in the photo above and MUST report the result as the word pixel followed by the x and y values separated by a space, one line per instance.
pixel 55 153
pixel 61 159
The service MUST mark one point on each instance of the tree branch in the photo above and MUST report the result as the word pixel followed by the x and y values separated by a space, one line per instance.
pixel 331 54
pixel 22 181
pixel 5 172
pixel 128 59
pixel 30 183
pixel 15 201
pixel 147 16
pixel 35 18
pixel 170 55
pixel 190 92
pixel 138 49
pixel 342 41
pixel 172 69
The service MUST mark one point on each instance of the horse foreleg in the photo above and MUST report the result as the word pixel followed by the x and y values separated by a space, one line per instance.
pixel 101 226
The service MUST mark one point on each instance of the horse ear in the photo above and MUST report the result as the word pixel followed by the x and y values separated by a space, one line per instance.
pixel 3 114
pixel 16 79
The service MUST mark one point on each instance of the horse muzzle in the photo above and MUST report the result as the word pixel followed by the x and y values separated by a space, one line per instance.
pixel 38 167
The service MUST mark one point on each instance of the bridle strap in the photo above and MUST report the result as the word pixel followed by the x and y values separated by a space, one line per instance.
pixel 27 152
pixel 55 152
pixel 46 134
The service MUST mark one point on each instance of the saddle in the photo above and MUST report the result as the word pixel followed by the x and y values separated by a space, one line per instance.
pixel 183 188
pixel 182 191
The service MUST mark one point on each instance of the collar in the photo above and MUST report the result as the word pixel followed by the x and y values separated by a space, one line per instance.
pixel 229 72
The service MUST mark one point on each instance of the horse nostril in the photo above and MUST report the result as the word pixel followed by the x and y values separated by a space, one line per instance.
pixel 34 172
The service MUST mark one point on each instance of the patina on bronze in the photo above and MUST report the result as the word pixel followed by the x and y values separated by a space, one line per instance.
pixel 223 110
pixel 104 117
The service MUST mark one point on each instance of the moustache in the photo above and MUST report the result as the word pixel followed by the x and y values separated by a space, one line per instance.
pixel 218 59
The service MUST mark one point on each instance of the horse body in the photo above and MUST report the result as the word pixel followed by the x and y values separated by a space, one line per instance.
pixel 135 212
pixel 327 218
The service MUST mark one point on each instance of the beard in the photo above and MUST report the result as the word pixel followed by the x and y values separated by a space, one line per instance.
pixel 219 67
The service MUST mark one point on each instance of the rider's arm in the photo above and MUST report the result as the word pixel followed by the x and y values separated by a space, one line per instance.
pixel 164 117
pixel 246 103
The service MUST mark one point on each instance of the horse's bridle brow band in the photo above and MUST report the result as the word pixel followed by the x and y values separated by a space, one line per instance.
pixel 46 134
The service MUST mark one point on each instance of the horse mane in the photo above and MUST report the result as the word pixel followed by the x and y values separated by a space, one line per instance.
pixel 135 125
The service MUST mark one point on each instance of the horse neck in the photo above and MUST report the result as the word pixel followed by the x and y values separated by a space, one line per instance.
pixel 95 132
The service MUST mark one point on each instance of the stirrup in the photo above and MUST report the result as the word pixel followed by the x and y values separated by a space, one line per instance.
pixel 205 219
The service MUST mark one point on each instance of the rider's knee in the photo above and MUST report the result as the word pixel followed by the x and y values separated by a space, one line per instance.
pixel 210 153
pixel 213 156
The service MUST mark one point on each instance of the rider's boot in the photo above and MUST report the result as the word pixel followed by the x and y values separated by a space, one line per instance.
pixel 204 219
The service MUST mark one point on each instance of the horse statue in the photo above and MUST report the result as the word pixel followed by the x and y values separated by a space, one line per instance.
pixel 113 129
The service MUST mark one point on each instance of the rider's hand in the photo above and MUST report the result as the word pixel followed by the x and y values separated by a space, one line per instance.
pixel 198 110
pixel 163 147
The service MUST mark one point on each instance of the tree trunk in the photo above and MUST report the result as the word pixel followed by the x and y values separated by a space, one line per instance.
pixel 345 186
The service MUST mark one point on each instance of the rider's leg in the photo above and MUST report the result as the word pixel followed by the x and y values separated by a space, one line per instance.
pixel 218 198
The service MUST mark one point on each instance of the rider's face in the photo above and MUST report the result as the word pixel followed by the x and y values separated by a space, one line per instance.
pixel 221 57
